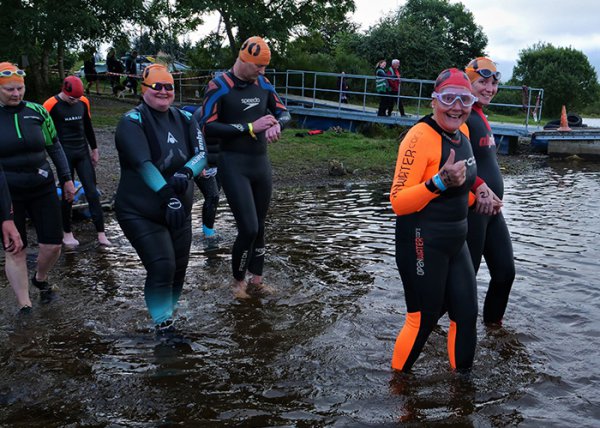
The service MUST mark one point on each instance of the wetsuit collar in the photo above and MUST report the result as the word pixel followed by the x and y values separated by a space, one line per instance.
pixel 452 137
pixel 237 81
pixel 15 109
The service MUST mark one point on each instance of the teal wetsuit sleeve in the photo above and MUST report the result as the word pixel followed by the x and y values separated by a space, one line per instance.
pixel 134 149
pixel 151 176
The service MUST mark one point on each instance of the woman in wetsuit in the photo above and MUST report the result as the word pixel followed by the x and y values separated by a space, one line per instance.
pixel 488 234
pixel 27 134
pixel 242 109
pixel 161 149
pixel 70 111
pixel 430 196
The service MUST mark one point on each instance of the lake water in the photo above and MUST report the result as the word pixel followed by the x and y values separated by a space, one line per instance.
pixel 318 352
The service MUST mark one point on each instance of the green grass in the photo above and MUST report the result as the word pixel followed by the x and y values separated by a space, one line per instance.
pixel 354 150
pixel 107 113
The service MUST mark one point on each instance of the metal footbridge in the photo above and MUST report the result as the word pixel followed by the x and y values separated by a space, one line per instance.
pixel 315 99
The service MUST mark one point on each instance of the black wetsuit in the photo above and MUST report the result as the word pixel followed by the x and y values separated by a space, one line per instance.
pixel 74 126
pixel 209 186
pixel 244 168
pixel 153 146
pixel 431 251
pixel 27 134
pixel 6 212
pixel 488 235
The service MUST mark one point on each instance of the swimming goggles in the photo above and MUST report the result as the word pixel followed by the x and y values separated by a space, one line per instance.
pixel 8 73
pixel 449 98
pixel 157 86
pixel 486 73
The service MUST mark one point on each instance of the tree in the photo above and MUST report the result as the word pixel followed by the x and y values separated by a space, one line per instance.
pixel 427 36
pixel 31 30
pixel 275 20
pixel 565 74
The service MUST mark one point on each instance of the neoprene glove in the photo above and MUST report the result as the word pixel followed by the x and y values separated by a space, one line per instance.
pixel 175 212
pixel 180 180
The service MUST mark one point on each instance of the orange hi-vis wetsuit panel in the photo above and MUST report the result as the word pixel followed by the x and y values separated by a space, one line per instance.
pixel 431 252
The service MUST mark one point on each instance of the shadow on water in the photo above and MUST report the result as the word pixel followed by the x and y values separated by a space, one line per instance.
pixel 318 352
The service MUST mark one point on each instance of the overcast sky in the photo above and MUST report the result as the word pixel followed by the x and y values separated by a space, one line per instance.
pixel 513 25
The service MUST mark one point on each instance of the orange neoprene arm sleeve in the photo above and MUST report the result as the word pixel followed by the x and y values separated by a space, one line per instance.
pixel 419 158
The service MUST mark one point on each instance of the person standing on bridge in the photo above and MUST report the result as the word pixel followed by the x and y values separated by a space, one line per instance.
pixel 382 87
pixel 430 195
pixel 488 234
pixel 242 109
pixel 394 82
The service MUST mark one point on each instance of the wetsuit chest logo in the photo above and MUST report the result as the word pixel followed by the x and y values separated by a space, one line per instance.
pixel 171 139
pixel 250 102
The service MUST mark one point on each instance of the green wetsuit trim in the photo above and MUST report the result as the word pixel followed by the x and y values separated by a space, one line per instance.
pixel 17 128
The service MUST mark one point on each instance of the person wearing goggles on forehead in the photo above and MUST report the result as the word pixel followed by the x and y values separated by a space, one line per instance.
pixel 242 109
pixel 27 136
pixel 70 111
pixel 488 234
pixel 430 195
pixel 161 149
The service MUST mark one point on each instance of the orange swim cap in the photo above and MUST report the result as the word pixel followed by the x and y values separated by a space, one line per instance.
pixel 155 73
pixel 11 77
pixel 475 67
pixel 256 51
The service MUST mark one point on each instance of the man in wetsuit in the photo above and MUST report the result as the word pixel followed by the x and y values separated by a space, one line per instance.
pixel 488 234
pixel 27 135
pixel 242 109
pixel 161 149
pixel 70 111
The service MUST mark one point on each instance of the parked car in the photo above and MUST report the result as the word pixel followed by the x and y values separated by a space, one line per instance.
pixel 100 69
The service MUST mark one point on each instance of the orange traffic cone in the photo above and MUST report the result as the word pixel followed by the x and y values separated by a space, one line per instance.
pixel 564 124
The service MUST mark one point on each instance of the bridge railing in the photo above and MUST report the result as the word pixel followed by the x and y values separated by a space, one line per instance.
pixel 325 90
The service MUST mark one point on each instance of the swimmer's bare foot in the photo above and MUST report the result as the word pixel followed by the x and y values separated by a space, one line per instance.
pixel 69 240
pixel 103 240
pixel 260 289
pixel 240 290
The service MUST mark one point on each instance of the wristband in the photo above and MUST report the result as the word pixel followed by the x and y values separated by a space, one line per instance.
pixel 437 180
pixel 251 131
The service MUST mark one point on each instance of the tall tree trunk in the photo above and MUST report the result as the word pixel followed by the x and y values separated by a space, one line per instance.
pixel 60 51
pixel 230 37
pixel 45 67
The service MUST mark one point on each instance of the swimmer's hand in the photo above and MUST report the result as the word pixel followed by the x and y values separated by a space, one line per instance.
pixel 180 180
pixel 175 212
pixel 453 174
pixel 487 201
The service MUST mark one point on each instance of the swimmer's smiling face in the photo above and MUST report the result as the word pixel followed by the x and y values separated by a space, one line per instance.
pixel 450 118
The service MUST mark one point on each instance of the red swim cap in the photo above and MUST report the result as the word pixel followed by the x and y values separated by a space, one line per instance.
pixel 72 87
pixel 452 77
